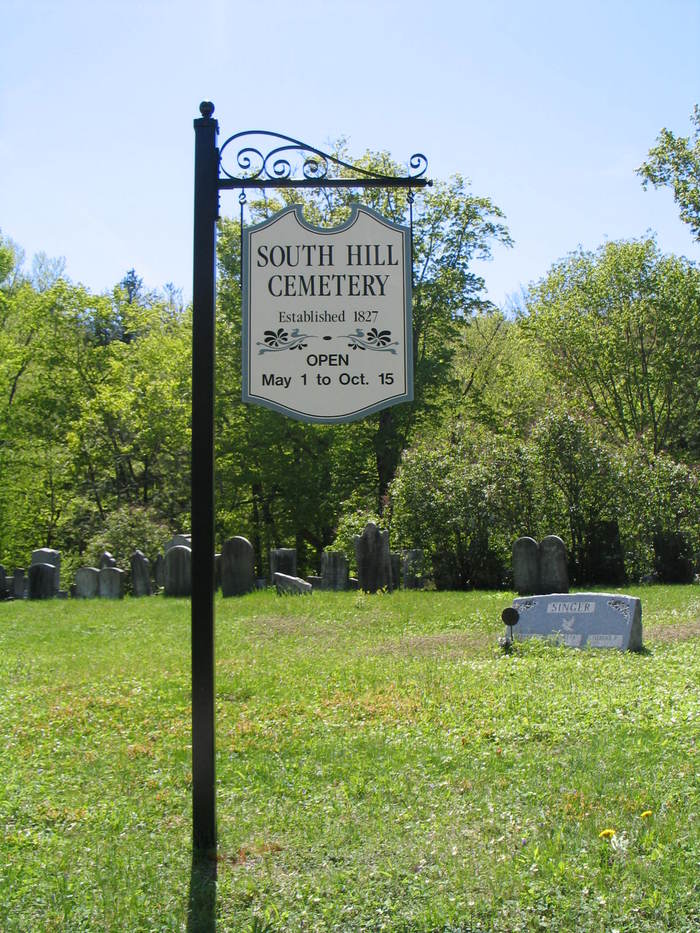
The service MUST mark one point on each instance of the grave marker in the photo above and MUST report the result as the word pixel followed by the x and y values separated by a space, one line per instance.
pixel 19 583
pixel 107 560
pixel 283 560
pixel 594 620
pixel 334 571
pixel 111 583
pixel 290 586
pixel 554 573
pixel 237 567
pixel 87 583
pixel 140 574
pixel 47 555
pixel 42 581
pixel 526 566
pixel 373 559
pixel 178 571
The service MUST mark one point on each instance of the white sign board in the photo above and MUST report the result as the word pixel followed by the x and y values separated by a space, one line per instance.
pixel 596 620
pixel 327 316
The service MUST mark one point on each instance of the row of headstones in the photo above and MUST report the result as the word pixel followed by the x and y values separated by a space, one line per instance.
pixel 377 567
pixel 171 572
pixel 537 568
pixel 42 581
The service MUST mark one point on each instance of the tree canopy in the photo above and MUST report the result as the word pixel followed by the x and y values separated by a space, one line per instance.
pixel 674 162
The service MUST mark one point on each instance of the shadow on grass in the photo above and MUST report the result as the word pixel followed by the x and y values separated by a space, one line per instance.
pixel 201 910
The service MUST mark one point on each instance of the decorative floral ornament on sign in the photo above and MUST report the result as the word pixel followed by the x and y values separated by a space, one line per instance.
pixel 275 340
pixel 373 340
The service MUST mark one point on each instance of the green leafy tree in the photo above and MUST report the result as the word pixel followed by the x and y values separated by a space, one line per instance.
pixel 497 380
pixel 89 421
pixel 580 488
pixel 674 162
pixel 464 494
pixel 619 329
pixel 658 501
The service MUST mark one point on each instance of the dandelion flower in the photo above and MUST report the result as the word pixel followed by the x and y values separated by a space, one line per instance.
pixel 606 834
pixel 645 814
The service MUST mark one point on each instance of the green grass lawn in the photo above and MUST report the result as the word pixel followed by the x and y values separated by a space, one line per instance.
pixel 381 765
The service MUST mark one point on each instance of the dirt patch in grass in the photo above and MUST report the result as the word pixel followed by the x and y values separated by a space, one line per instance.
pixel 442 644
pixel 280 625
pixel 306 626
pixel 678 631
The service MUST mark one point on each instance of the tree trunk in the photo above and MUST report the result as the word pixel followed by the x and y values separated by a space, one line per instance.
pixel 387 449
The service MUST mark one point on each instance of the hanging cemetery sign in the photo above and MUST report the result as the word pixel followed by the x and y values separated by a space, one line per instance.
pixel 327 337
pixel 327 316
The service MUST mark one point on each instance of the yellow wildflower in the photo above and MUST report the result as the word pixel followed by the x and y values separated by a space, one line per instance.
pixel 645 814
pixel 606 834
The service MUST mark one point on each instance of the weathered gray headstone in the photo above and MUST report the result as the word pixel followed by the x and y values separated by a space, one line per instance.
pixel 3 583
pixel 315 581
pixel 42 581
pixel 217 571
pixel 19 583
pixel 140 574
pixel 373 561
pixel 159 571
pixel 237 567
pixel 47 555
pixel 283 560
pixel 184 540
pixel 111 583
pixel 554 574
pixel 178 571
pixel 412 569
pixel 107 560
pixel 526 566
pixel 395 560
pixel 596 620
pixel 290 586
pixel 87 583
pixel 334 571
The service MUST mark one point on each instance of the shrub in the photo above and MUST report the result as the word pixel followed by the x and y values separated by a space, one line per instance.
pixel 126 530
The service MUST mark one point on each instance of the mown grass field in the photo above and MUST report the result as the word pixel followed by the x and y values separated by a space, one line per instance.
pixel 381 765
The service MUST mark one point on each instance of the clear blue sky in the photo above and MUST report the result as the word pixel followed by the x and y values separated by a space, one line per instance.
pixel 548 107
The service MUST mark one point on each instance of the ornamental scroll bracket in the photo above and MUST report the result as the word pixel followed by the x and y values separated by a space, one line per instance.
pixel 264 159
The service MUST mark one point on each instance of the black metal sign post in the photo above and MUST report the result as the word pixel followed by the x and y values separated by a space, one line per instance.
pixel 273 170
pixel 206 202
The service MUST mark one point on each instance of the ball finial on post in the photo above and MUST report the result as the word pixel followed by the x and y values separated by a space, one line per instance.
pixel 206 108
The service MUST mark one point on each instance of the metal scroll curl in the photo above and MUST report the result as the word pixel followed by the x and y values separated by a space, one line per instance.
pixel 292 160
